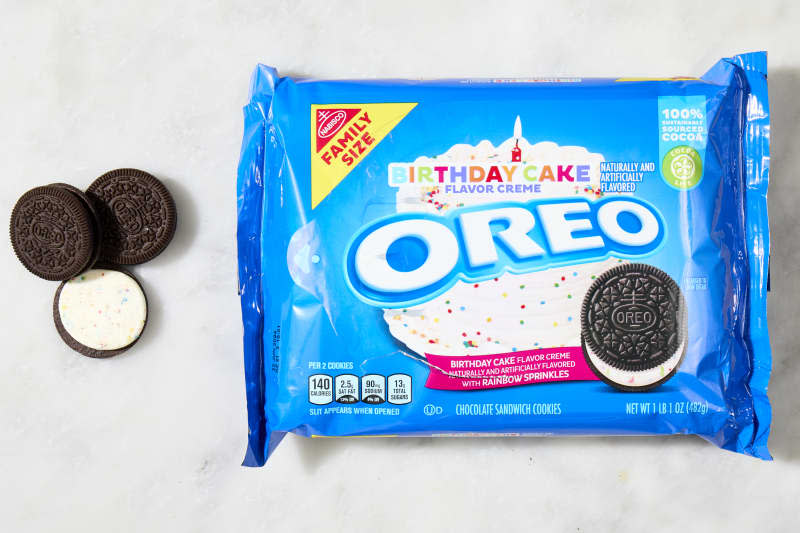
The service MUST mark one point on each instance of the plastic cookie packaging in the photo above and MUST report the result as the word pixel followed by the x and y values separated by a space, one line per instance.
pixel 558 256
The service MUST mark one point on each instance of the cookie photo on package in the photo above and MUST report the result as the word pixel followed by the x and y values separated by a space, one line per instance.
pixel 458 257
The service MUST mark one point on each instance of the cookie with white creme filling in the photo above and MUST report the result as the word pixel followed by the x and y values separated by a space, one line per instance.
pixel 100 313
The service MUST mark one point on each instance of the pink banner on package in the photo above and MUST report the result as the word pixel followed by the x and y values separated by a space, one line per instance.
pixel 476 372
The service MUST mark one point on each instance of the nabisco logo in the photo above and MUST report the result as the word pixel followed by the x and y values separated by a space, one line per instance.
pixel 330 121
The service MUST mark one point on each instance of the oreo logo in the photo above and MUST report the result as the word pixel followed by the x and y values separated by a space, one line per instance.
pixel 634 318
pixel 47 233
pixel 409 258
pixel 128 215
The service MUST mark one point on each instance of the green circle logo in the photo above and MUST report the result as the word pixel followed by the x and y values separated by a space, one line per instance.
pixel 682 167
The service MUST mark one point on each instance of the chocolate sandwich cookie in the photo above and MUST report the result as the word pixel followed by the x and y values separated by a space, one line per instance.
pixel 634 327
pixel 100 313
pixel 96 225
pixel 52 233
pixel 137 213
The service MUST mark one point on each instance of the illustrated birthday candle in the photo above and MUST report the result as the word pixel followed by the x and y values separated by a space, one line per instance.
pixel 516 152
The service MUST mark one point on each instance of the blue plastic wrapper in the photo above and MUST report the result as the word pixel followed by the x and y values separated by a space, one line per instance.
pixel 544 256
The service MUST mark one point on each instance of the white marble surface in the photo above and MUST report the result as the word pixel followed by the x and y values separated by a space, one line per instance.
pixel 152 440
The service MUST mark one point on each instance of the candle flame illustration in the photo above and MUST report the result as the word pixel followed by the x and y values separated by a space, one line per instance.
pixel 517 128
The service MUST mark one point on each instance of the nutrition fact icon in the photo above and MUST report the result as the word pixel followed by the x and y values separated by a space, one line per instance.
pixel 320 389
pixel 399 389
pixel 346 388
pixel 373 389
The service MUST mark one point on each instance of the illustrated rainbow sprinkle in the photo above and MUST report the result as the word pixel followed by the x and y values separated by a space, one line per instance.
pixel 431 200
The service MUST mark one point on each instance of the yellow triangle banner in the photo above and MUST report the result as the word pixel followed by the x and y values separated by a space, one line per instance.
pixel 341 137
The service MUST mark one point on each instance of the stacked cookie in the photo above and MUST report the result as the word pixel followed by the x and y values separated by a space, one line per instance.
pixel 59 233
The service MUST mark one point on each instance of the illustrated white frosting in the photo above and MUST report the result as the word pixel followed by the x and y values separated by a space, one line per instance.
pixel 511 312
pixel 506 314
pixel 103 309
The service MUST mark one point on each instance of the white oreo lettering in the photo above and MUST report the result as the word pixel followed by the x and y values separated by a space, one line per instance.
pixel 376 273
pixel 608 220
pixel 479 241
pixel 559 230
pixel 465 245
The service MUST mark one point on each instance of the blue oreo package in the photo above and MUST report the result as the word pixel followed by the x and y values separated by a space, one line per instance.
pixel 542 256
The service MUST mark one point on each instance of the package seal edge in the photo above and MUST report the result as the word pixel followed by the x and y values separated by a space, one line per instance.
pixel 250 202
pixel 756 154
pixel 752 411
